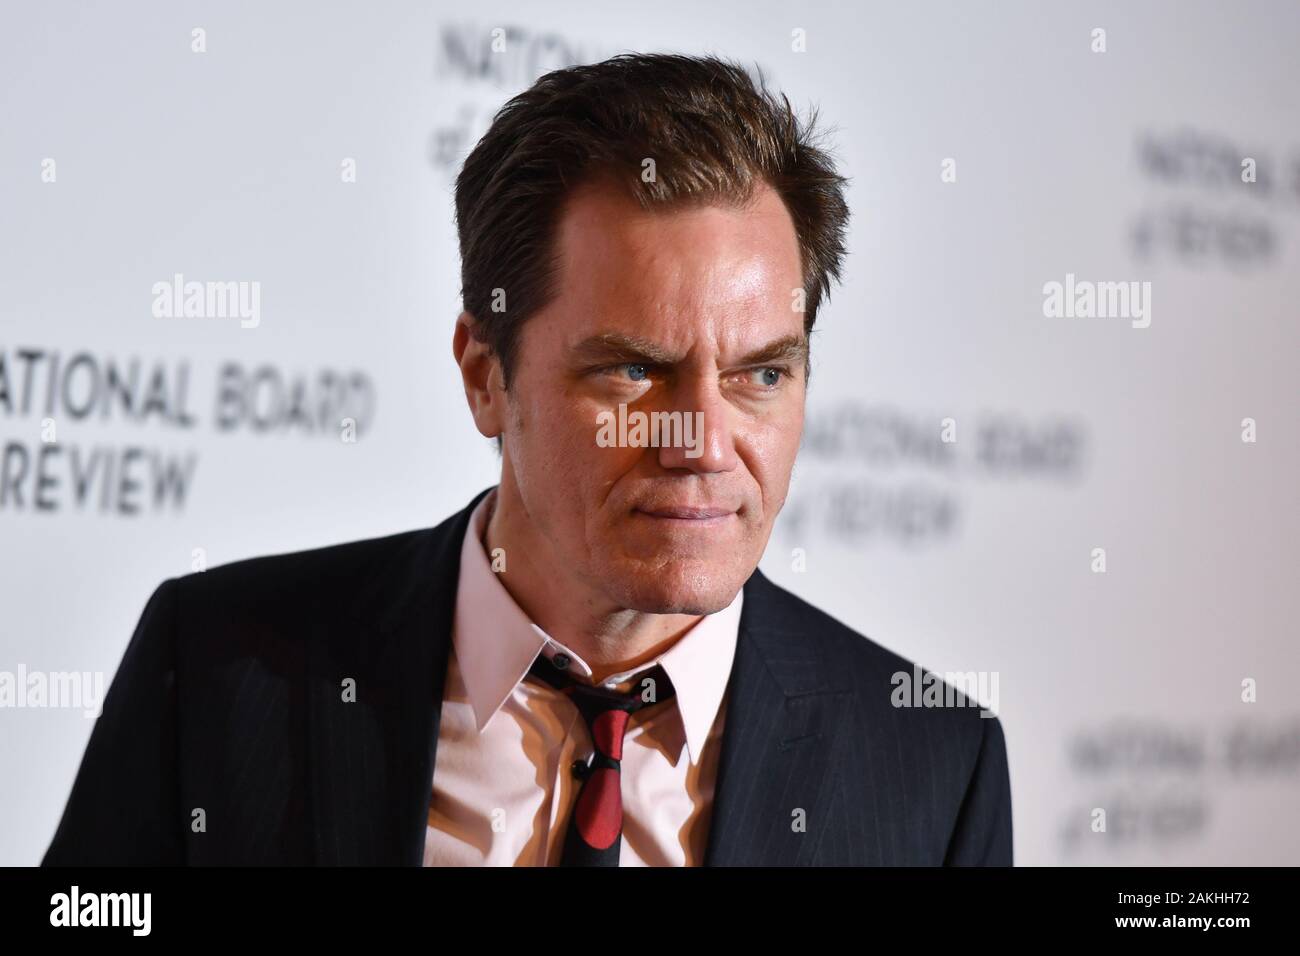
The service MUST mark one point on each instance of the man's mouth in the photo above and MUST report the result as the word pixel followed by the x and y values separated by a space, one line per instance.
pixel 687 515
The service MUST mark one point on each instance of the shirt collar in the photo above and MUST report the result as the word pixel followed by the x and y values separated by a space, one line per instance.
pixel 496 644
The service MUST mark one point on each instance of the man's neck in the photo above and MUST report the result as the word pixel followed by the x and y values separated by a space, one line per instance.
pixel 609 638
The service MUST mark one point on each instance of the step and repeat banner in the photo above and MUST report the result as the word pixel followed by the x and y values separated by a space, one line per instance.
pixel 1051 447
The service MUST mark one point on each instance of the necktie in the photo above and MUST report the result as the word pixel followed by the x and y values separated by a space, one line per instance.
pixel 595 833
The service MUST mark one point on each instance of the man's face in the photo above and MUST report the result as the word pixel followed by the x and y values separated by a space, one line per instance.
pixel 686 310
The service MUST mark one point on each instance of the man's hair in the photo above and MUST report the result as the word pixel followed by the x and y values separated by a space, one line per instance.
pixel 713 136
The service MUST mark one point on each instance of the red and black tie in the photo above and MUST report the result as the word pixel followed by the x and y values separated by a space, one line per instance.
pixel 595 833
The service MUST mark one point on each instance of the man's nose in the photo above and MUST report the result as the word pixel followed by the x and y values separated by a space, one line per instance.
pixel 705 441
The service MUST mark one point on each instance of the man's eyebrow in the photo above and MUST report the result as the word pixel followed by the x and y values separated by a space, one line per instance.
pixel 792 348
pixel 631 348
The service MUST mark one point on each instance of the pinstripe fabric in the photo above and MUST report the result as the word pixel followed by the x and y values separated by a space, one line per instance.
pixel 232 707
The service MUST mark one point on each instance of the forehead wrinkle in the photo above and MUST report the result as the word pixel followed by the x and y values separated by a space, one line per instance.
pixel 658 324
pixel 710 293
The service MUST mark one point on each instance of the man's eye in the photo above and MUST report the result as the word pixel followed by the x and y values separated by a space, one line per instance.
pixel 628 371
pixel 769 376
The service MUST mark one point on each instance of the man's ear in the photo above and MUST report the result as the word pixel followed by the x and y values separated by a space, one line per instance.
pixel 481 372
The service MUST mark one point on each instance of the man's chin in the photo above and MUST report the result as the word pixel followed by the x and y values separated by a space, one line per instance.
pixel 684 588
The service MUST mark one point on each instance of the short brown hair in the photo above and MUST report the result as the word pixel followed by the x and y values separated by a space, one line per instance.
pixel 711 133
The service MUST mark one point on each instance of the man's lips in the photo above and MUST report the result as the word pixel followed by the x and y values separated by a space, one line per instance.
pixel 687 513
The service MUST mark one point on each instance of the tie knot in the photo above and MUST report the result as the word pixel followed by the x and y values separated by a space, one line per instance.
pixel 595 830
pixel 605 709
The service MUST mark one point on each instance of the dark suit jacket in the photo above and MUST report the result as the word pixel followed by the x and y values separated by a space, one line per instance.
pixel 227 709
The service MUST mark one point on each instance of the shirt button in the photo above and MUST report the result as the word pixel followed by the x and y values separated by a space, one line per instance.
pixel 561 661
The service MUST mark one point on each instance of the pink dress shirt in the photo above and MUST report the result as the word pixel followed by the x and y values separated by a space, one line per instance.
pixel 502 785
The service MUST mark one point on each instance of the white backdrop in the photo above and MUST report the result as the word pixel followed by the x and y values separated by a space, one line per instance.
pixel 127 158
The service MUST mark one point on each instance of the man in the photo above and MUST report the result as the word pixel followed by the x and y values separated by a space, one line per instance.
pixel 584 666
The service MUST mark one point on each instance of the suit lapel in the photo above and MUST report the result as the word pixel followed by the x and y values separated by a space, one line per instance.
pixel 371 760
pixel 779 741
